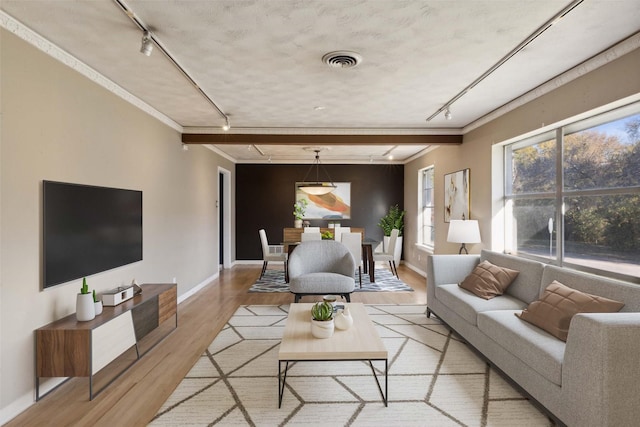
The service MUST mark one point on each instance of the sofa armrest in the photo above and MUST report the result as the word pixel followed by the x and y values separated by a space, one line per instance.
pixel 601 369
pixel 448 269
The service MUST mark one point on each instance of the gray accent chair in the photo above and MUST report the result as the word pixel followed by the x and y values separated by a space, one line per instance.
pixel 320 268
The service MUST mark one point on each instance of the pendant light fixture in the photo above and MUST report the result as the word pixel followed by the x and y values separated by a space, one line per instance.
pixel 317 188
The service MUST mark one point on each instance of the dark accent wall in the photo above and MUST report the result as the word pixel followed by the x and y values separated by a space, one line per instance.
pixel 265 195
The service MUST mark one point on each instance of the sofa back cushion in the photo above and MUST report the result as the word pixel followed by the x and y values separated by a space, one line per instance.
pixel 617 290
pixel 559 303
pixel 525 287
pixel 321 256
pixel 488 280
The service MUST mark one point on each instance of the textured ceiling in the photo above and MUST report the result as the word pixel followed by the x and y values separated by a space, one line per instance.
pixel 260 60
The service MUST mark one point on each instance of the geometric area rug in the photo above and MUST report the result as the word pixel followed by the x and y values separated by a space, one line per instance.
pixel 273 281
pixel 434 380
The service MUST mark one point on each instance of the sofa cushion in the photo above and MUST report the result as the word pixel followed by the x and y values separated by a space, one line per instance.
pixel 536 348
pixel 322 283
pixel 467 305
pixel 488 281
pixel 525 287
pixel 617 290
pixel 559 303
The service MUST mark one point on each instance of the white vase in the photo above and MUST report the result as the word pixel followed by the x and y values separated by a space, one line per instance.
pixel 85 309
pixel 98 307
pixel 343 319
pixel 297 223
pixel 322 328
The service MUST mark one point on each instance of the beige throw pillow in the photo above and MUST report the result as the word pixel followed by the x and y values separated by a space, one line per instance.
pixel 559 303
pixel 488 280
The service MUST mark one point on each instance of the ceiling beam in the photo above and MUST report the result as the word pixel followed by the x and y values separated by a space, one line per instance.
pixel 263 139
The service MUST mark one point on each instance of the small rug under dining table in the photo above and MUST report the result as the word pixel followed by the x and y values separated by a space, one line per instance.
pixel 273 281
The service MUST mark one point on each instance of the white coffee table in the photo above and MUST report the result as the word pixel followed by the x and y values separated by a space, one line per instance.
pixel 360 342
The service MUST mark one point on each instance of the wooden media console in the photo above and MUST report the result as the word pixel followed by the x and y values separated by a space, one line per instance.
pixel 69 348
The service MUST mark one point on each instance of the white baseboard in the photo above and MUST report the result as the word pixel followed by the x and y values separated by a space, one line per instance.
pixel 416 269
pixel 18 406
pixel 248 262
pixel 198 287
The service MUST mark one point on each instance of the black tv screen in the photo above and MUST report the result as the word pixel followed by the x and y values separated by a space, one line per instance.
pixel 88 229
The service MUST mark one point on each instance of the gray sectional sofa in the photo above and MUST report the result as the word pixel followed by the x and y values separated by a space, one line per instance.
pixel 591 380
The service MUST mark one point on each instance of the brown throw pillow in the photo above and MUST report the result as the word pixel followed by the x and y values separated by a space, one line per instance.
pixel 488 280
pixel 559 303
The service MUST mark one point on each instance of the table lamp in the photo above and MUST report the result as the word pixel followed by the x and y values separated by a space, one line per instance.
pixel 463 231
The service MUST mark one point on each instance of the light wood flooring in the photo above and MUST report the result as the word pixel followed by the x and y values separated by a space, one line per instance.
pixel 135 397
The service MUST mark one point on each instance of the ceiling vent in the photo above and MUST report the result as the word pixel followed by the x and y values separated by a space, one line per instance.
pixel 342 59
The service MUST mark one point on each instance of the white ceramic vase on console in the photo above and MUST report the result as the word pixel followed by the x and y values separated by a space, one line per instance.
pixel 85 307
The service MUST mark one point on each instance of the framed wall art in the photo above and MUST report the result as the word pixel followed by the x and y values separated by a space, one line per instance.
pixel 456 195
pixel 334 205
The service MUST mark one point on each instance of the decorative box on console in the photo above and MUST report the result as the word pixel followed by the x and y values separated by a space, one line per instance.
pixel 116 296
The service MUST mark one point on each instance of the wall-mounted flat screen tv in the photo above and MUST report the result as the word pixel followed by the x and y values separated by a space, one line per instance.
pixel 88 229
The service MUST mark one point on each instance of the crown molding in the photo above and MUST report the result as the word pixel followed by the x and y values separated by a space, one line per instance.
pixel 603 58
pixel 23 32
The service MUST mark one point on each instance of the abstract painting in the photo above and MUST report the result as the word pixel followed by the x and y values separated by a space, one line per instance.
pixel 334 205
pixel 456 195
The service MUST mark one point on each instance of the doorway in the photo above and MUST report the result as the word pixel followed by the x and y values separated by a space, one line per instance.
pixel 223 203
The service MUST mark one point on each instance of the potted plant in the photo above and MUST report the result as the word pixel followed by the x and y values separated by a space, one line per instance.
pixel 299 208
pixel 85 309
pixel 393 219
pixel 97 303
pixel 322 325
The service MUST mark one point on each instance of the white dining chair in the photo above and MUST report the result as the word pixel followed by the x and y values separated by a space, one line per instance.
pixel 306 237
pixel 353 242
pixel 311 230
pixel 387 256
pixel 271 253
pixel 339 231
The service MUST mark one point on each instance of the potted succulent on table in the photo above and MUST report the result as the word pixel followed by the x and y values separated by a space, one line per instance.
pixel 393 219
pixel 299 208
pixel 85 308
pixel 322 325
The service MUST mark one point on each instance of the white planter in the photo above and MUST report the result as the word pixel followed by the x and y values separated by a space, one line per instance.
pixel 297 223
pixel 85 309
pixel 397 253
pixel 322 329
pixel 97 307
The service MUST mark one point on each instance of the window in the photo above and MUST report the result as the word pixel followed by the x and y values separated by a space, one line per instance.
pixel 426 233
pixel 572 196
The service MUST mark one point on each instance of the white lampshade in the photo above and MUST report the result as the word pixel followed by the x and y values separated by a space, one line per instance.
pixel 464 231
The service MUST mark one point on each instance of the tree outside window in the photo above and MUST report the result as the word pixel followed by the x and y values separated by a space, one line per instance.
pixel 593 204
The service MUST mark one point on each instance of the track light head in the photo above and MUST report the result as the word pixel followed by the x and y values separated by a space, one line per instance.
pixel 147 44
pixel 447 114
pixel 226 125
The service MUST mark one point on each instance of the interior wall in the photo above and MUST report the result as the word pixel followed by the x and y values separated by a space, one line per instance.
pixel 57 125
pixel 614 83
pixel 265 195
